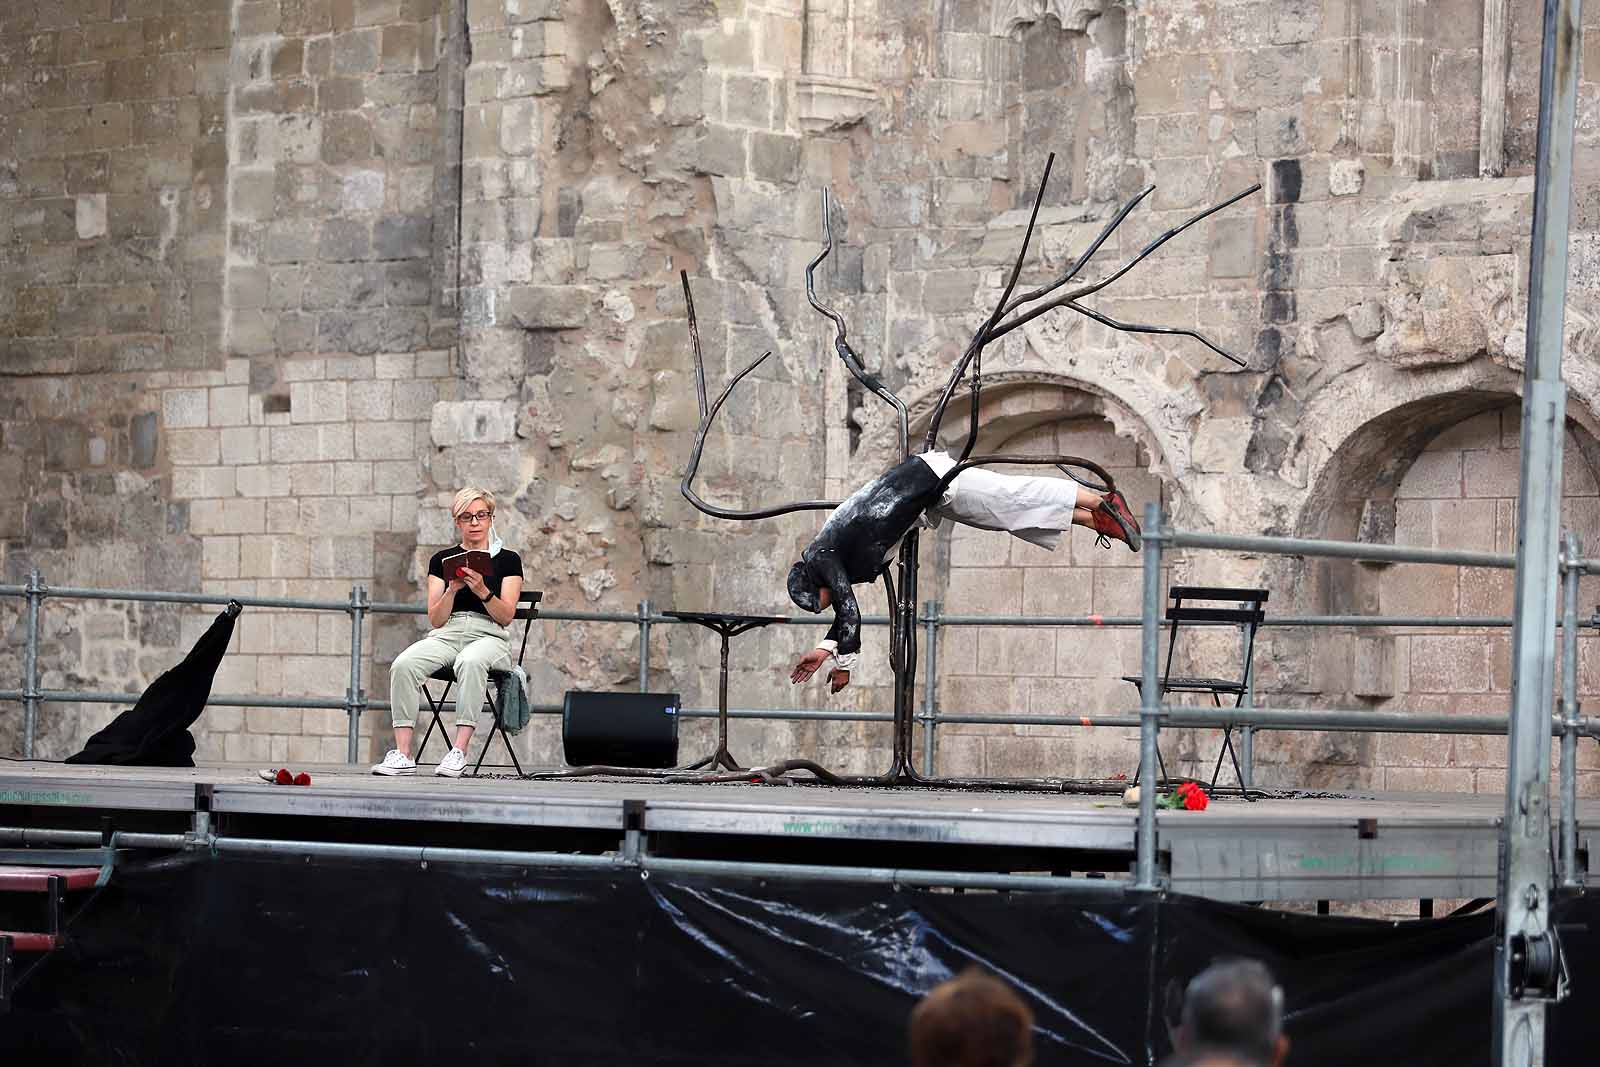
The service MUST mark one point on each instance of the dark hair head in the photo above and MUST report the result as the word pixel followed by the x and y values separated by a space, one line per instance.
pixel 804 589
pixel 973 1020
pixel 1235 1007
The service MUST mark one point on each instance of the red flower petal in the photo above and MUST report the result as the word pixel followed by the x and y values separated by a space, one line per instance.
pixel 1196 800
pixel 302 778
pixel 283 777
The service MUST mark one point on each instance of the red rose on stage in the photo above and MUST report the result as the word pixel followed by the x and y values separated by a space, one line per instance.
pixel 283 777
pixel 1188 796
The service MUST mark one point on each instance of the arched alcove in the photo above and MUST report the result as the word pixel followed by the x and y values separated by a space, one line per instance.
pixel 1442 472
pixel 1040 671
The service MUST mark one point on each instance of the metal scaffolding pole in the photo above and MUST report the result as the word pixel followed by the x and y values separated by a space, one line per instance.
pixel 1526 956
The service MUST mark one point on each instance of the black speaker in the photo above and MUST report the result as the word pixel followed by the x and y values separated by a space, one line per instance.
pixel 620 729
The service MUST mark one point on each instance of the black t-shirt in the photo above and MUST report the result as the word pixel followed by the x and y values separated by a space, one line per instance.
pixel 502 565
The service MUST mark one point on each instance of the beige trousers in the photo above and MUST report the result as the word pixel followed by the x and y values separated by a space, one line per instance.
pixel 468 643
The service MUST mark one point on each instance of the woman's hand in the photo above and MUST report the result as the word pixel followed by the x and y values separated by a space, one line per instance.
pixel 474 581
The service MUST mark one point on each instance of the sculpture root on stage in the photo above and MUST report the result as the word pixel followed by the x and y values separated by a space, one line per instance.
pixel 1010 311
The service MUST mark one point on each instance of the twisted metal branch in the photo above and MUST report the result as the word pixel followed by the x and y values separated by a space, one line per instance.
pixel 707 414
pixel 847 355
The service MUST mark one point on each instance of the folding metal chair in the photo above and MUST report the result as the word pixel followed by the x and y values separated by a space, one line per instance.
pixel 527 611
pixel 1245 611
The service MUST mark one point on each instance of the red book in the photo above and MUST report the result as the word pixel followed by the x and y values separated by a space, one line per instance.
pixel 457 565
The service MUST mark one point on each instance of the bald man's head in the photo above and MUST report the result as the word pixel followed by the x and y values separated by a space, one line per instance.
pixel 1233 1009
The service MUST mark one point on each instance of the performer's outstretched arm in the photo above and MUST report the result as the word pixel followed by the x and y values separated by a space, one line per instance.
pixel 843 641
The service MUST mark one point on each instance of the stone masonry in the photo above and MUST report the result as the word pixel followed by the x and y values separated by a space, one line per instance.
pixel 280 275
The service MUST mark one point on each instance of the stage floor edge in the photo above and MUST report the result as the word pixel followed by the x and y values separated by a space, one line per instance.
pixel 1349 847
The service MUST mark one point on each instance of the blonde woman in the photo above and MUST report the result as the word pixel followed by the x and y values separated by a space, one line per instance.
pixel 469 613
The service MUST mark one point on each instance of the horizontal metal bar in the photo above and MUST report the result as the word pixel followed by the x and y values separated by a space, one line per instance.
pixel 632 618
pixel 30 835
pixel 502 858
pixel 75 593
pixel 1299 546
pixel 1327 719
pixel 1097 621
pixel 69 696
pixel 883 875
pixel 1330 719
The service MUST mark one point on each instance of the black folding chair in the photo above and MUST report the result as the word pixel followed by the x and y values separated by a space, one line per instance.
pixel 1245 611
pixel 527 611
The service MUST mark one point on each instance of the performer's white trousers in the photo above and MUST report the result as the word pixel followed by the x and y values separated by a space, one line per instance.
pixel 1036 509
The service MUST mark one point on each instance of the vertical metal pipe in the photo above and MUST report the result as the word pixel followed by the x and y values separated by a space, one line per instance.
pixel 30 665
pixel 644 645
pixel 1247 753
pixel 1150 704
pixel 930 706
pixel 354 699
pixel 722 703
pixel 1247 733
pixel 1569 711
pixel 1524 880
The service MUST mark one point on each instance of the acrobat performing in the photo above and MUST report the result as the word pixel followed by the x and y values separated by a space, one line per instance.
pixel 861 536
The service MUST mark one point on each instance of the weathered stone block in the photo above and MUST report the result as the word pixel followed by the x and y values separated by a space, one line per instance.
pixel 774 157
pixel 405 237
pixel 347 137
pixel 548 307
pixel 749 100
pixel 229 406
pixel 473 422
pixel 343 240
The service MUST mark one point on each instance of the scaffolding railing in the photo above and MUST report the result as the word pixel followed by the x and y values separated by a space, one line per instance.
pixel 1568 724
pixel 932 714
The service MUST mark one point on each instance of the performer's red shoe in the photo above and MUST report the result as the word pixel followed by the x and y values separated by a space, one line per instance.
pixel 1113 519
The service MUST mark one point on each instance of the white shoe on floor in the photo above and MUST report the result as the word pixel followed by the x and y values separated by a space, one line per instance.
pixel 395 763
pixel 454 762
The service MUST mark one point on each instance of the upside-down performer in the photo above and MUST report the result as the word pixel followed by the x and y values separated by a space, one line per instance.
pixel 860 537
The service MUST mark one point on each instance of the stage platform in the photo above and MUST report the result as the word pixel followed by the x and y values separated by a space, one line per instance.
pixel 1324 847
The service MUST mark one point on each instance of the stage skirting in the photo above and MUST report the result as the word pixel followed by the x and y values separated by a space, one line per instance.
pixel 209 959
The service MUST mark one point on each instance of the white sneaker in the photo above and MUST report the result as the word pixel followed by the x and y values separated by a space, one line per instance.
pixel 395 763
pixel 454 762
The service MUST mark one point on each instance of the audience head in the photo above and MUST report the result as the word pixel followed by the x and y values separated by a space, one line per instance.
pixel 973 1020
pixel 1233 1014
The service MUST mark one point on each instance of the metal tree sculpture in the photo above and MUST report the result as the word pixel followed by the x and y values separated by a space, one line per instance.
pixel 902 595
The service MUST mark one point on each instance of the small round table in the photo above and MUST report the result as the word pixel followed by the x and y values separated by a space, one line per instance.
pixel 727 625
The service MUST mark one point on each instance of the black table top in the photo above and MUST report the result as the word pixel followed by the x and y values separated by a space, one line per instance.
pixel 724 618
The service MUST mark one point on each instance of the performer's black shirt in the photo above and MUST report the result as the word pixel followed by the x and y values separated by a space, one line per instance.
pixel 502 565
pixel 855 542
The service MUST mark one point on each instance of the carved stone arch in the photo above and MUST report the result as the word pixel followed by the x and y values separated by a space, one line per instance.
pixel 1016 400
pixel 1048 671
pixel 1458 432
pixel 1010 15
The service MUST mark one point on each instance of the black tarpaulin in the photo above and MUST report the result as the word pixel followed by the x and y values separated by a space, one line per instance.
pixel 218 959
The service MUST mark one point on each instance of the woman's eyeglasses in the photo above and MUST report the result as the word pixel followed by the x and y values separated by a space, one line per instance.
pixel 474 516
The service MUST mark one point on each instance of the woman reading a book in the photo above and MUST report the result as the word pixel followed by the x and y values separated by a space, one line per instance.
pixel 473 589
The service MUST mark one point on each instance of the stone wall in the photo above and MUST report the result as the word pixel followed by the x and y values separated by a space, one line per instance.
pixel 281 274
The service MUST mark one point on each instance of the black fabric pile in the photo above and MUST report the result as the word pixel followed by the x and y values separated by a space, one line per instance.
pixel 155 731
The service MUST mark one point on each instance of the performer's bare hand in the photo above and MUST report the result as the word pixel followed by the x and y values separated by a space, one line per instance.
pixel 454 586
pixel 808 665
pixel 838 680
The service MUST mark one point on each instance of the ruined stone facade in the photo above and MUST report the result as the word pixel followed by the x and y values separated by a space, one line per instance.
pixel 279 275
